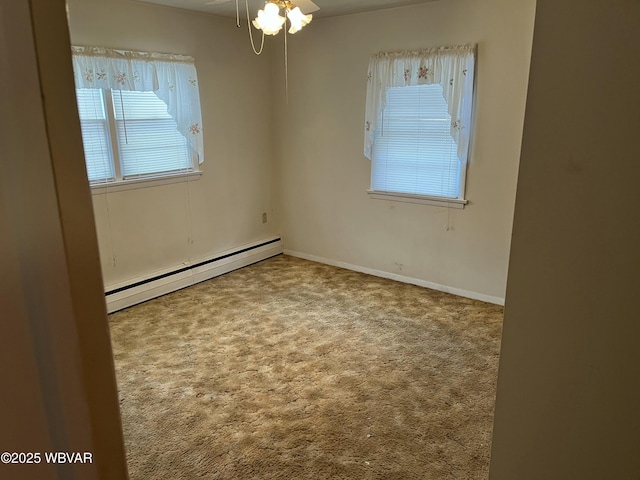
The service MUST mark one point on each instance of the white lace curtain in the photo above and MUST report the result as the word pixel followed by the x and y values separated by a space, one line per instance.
pixel 451 67
pixel 172 77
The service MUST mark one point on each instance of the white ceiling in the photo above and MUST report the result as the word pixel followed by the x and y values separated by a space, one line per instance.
pixel 328 8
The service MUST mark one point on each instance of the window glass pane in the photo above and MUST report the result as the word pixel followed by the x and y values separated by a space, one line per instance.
pixel 95 134
pixel 148 137
pixel 413 150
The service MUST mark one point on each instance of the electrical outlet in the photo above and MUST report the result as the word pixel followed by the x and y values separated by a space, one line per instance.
pixel 264 217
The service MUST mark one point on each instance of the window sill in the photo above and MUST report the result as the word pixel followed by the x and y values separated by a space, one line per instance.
pixel 421 199
pixel 135 183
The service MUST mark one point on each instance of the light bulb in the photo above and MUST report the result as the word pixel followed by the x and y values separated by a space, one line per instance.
pixel 271 9
pixel 269 20
pixel 298 19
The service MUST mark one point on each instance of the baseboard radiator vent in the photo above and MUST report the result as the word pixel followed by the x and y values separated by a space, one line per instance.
pixel 142 289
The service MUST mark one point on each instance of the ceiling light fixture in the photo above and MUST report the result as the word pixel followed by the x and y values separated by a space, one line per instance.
pixel 297 19
pixel 269 20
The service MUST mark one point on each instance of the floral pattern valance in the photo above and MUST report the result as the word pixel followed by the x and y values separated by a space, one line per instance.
pixel 172 77
pixel 451 67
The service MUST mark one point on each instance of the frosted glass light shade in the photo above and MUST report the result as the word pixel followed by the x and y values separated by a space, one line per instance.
pixel 269 20
pixel 298 19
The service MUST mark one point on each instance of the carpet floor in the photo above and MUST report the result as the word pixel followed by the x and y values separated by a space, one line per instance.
pixel 290 369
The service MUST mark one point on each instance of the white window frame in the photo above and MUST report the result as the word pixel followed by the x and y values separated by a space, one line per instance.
pixel 421 199
pixel 119 182
pixel 453 67
pixel 171 77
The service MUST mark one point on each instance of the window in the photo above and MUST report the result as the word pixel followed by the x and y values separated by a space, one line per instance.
pixel 139 113
pixel 414 153
pixel 129 135
pixel 418 124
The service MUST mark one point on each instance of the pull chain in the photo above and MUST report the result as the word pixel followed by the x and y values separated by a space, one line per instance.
pixel 286 65
pixel 257 52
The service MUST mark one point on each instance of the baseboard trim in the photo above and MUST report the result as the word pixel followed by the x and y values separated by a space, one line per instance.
pixel 141 289
pixel 400 278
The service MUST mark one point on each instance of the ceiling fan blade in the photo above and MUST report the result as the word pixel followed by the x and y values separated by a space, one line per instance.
pixel 217 2
pixel 307 6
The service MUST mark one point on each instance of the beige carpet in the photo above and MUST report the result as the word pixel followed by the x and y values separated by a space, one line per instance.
pixel 290 369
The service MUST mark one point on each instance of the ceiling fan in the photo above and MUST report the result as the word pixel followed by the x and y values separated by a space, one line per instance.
pixel 269 20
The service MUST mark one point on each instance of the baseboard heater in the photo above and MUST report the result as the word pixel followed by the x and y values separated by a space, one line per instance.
pixel 140 290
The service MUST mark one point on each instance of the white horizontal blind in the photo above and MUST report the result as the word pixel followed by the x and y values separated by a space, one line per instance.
pixel 148 137
pixel 95 135
pixel 413 151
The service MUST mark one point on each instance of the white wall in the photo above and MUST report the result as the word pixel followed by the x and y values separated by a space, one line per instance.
pixel 322 175
pixel 147 230
pixel 569 376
